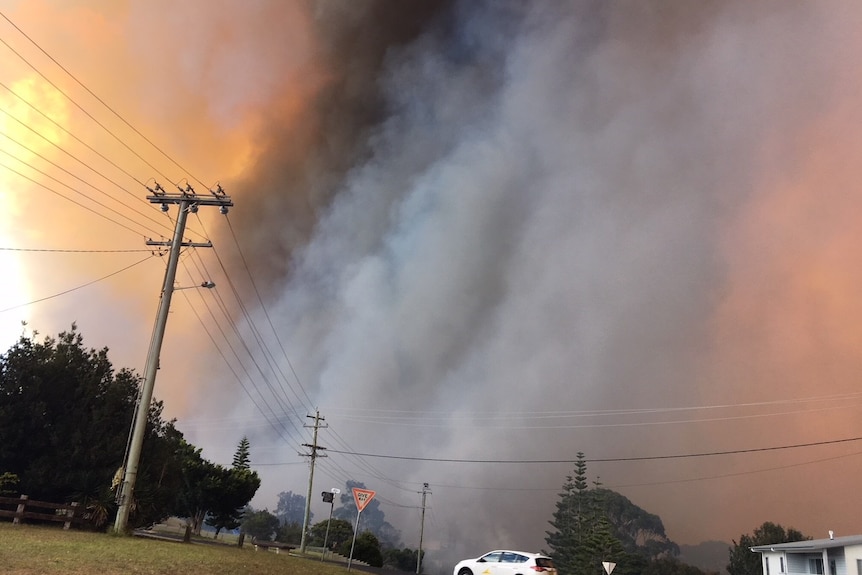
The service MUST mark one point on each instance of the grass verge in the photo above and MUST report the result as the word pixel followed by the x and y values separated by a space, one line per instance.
pixel 28 549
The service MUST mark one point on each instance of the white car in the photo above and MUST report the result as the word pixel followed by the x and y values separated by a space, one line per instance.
pixel 504 562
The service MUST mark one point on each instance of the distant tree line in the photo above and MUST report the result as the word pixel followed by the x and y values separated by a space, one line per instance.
pixel 378 542
pixel 65 415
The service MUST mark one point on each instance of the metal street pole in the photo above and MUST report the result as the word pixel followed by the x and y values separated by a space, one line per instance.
pixel 331 498
pixel 187 201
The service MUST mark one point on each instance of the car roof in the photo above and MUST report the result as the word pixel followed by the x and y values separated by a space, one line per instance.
pixel 527 553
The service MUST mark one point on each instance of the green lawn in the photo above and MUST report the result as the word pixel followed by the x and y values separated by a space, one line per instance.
pixel 32 549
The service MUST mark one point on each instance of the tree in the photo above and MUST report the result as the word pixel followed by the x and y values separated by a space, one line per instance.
pixel 366 549
pixel 373 518
pixel 65 415
pixel 744 562
pixel 260 525
pixel 291 508
pixel 340 530
pixel 199 486
pixel 231 490
pixel 401 559
pixel 289 533
pixel 242 457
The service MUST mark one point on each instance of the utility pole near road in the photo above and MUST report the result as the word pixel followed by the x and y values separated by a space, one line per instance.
pixel 313 455
pixel 425 491
pixel 188 201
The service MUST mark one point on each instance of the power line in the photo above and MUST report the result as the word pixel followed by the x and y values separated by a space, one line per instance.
pixel 79 106
pixel 79 192
pixel 101 101
pixel 412 414
pixel 266 313
pixel 274 425
pixel 608 459
pixel 39 155
pixel 71 135
pixel 738 473
pixel 286 407
pixel 79 204
pixel 76 288
pixel 70 251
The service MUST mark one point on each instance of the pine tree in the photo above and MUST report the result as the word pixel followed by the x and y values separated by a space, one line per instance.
pixel 242 457
pixel 563 539
pixel 584 535
pixel 572 521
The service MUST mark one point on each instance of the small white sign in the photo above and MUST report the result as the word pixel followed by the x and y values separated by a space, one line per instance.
pixel 609 567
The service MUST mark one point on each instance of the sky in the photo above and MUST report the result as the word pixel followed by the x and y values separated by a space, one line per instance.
pixel 476 237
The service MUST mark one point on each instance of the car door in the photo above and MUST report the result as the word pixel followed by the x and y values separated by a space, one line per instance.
pixel 489 563
pixel 510 564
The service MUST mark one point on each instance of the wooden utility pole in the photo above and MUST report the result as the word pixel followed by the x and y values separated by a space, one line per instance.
pixel 313 455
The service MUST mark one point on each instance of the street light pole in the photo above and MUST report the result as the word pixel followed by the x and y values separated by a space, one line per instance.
pixel 187 201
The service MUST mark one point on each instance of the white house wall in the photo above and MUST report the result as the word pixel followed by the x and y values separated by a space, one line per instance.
pixel 853 556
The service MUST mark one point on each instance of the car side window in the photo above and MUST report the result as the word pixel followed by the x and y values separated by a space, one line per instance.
pixel 509 558
pixel 491 558
pixel 520 558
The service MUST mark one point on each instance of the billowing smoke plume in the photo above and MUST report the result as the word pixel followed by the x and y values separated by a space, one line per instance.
pixel 317 130
pixel 499 214
pixel 507 232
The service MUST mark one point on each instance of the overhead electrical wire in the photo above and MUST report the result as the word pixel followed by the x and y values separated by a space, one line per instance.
pixel 248 376
pixel 74 137
pixel 79 204
pixel 286 407
pixel 238 335
pixel 268 421
pixel 101 101
pixel 73 101
pixel 72 251
pixel 413 414
pixel 266 313
pixel 88 114
pixel 512 426
pixel 83 181
pixel 78 287
pixel 609 459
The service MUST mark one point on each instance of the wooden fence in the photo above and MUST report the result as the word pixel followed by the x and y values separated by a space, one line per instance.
pixel 26 508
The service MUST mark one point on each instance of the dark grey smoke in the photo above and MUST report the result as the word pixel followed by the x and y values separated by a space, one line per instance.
pixel 304 157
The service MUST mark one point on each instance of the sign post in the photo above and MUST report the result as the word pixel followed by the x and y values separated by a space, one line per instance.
pixel 362 497
pixel 328 497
